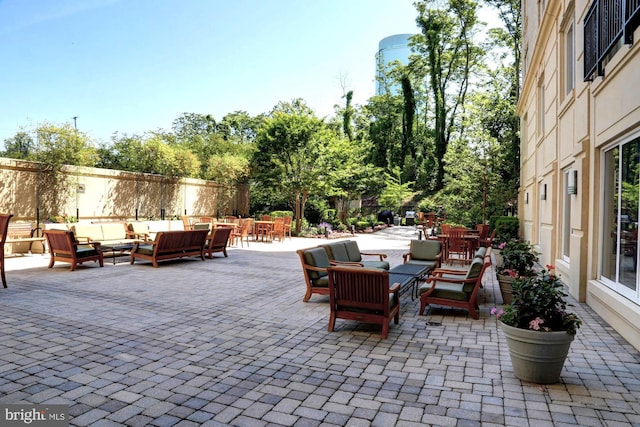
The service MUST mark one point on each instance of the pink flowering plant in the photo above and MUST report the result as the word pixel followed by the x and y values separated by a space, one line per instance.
pixel 539 304
pixel 518 258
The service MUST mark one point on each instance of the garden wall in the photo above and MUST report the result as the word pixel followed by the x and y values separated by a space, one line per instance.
pixel 29 190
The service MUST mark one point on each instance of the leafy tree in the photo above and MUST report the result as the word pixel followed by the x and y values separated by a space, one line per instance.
pixel 63 145
pixel 350 176
pixel 447 55
pixel 395 193
pixel 290 155
pixel 19 146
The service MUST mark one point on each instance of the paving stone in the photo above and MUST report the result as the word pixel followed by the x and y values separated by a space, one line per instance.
pixel 187 352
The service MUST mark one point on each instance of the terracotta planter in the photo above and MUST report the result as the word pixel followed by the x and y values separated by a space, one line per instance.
pixel 537 357
pixel 506 287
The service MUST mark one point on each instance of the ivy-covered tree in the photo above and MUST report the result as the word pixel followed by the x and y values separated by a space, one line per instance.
pixel 447 55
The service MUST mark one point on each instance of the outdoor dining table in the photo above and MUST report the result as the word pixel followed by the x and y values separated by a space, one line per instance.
pixel 262 228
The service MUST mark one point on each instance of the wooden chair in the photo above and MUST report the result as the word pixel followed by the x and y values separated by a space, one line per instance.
pixel 4 227
pixel 488 241
pixel 64 247
pixel 186 223
pixel 457 248
pixel 314 267
pixel 424 252
pixel 242 232
pixel 288 222
pixel 217 241
pixel 278 229
pixel 483 231
pixel 455 288
pixel 363 295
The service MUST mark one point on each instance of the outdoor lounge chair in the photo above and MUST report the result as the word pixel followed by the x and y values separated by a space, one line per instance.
pixel 314 266
pixel 424 252
pixel 363 295
pixel 64 247
pixel 455 288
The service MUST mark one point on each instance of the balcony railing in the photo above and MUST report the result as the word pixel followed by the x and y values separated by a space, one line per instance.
pixel 607 22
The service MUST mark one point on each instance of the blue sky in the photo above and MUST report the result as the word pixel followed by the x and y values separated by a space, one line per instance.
pixel 134 65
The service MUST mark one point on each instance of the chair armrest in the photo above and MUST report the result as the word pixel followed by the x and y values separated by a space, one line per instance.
pixel 395 288
pixel 406 257
pixel 346 263
pixel 382 256
pixel 440 271
pixel 314 268
pixel 81 240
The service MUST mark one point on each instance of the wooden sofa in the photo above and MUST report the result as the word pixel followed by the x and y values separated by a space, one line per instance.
pixel 171 245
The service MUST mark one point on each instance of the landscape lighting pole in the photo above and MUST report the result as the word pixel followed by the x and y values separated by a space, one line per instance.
pixel 75 123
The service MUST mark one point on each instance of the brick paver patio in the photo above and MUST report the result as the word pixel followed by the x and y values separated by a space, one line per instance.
pixel 229 342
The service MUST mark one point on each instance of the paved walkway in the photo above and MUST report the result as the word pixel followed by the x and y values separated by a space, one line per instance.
pixel 229 342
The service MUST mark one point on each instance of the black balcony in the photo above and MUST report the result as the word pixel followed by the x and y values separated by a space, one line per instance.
pixel 606 23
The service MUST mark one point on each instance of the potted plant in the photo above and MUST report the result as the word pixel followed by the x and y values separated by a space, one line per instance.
pixel 518 258
pixel 537 327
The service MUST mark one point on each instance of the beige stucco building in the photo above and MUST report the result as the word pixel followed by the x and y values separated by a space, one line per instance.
pixel 580 150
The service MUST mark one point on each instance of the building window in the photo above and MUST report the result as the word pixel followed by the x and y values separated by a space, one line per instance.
pixel 620 229
pixel 566 216
pixel 569 59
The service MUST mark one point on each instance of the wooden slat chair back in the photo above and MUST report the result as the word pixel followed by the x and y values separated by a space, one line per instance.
pixel 457 249
pixel 483 231
pixel 489 240
pixel 288 222
pixel 363 295
pixel 4 228
pixel 186 223
pixel 64 247
pixel 278 229
pixel 242 232
pixel 217 241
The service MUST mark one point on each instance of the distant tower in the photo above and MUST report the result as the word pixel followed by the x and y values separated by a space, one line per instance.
pixel 390 49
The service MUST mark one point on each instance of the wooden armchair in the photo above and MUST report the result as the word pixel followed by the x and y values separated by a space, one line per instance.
pixel 424 252
pixel 455 288
pixel 314 266
pixel 64 247
pixel 217 241
pixel 4 228
pixel 364 295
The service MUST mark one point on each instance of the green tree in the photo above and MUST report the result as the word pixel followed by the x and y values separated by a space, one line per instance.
pixel 290 156
pixel 447 55
pixel 396 192
pixel 19 146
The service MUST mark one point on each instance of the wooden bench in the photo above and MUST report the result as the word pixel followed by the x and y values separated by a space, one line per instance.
pixel 171 245
pixel 22 232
